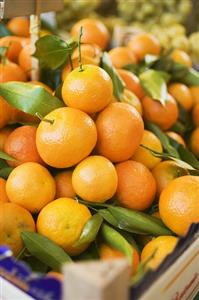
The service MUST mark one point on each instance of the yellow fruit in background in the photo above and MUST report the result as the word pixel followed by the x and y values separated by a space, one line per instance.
pixel 62 222
pixel 31 186
pixel 144 156
pixel 160 247
pixel 182 95
pixel 95 179
pixel 181 57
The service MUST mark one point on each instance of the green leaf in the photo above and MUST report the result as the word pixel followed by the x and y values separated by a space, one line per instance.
pixel 5 156
pixel 45 250
pixel 154 84
pixel 29 98
pixel 133 68
pixel 52 52
pixel 149 59
pixel 89 231
pixel 191 78
pixel 3 164
pixel 4 31
pixel 5 172
pixel 108 217
pixel 118 84
pixel 35 264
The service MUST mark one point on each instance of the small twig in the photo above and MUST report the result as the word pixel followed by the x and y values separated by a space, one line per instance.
pixel 71 62
pixel 79 48
pixel 44 119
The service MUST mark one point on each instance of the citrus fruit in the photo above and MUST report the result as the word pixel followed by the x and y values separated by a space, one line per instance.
pixel 136 186
pixel 62 221
pixel 182 95
pixel 151 141
pixel 181 57
pixel 95 179
pixel 130 98
pixel 31 186
pixel 144 43
pixel 195 114
pixel 11 72
pixel 4 133
pixel 14 47
pixel 179 205
pixel 21 145
pixel 163 116
pixel 108 253
pixel 69 139
pixel 161 247
pixel 120 129
pixel 5 112
pixel 94 32
pixel 194 142
pixel 165 172
pixel 25 60
pixel 19 26
pixel 121 56
pixel 3 194
pixel 89 90
pixel 88 50
pixel 175 136
pixel 132 82
pixel 13 220
pixel 64 188
pixel 194 93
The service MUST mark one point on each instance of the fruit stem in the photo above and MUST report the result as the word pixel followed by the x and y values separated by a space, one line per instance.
pixel 44 119
pixel 71 62
pixel 79 48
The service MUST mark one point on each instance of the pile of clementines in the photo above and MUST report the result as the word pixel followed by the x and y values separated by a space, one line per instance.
pixel 69 169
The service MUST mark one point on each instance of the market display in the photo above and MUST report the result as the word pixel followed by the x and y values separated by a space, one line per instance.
pixel 99 156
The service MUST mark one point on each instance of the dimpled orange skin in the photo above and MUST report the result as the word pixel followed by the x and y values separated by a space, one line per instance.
pixel 165 172
pixel 179 205
pixel 121 56
pixel 67 141
pixel 64 186
pixel 163 116
pixel 182 95
pixel 144 156
pixel 194 142
pixel 13 220
pixel 14 45
pixel 94 32
pixel 62 221
pixel 120 129
pixel 144 43
pixel 181 57
pixel 88 50
pixel 25 60
pixel 3 194
pixel 136 186
pixel 31 186
pixel 11 72
pixel 90 90
pixel 95 179
pixel 21 145
pixel 4 134
pixel 175 136
pixel 132 82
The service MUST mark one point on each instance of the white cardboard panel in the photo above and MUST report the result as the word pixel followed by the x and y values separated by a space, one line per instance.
pixel 10 292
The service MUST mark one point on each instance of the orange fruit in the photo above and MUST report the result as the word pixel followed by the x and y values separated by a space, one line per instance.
pixel 165 172
pixel 13 220
pixel 195 114
pixel 3 194
pixel 25 59
pixel 95 179
pixel 194 142
pixel 94 32
pixel 11 72
pixel 136 186
pixel 163 116
pixel 194 90
pixel 62 221
pixel 121 56
pixel 45 86
pixel 64 188
pixel 132 82
pixel 106 253
pixel 5 112
pixel 88 50
pixel 75 62
pixel 175 136
pixel 21 145
pixel 120 129
pixel 90 90
pixel 144 43
pixel 14 47
pixel 179 205
pixel 130 98
pixel 161 246
pixel 67 141
pixel 4 133
pixel 55 275
pixel 19 26
pixel 31 186
pixel 181 57
pixel 149 140
pixel 182 95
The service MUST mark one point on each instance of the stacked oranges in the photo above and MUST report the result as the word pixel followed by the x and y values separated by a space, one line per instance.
pixel 95 148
